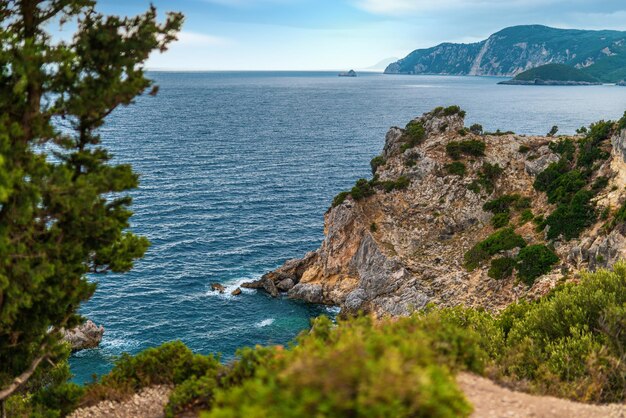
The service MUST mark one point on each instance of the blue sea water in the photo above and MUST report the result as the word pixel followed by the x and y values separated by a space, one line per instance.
pixel 237 170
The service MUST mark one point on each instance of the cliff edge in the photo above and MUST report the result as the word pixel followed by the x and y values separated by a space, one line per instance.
pixel 456 216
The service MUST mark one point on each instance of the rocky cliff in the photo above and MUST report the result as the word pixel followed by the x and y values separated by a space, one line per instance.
pixel 513 50
pixel 403 239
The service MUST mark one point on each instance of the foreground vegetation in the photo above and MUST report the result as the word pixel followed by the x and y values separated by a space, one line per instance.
pixel 571 343
pixel 64 204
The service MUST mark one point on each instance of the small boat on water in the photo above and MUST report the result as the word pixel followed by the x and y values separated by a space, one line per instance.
pixel 350 73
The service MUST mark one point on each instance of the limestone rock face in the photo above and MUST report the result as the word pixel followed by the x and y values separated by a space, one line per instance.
pixel 87 335
pixel 394 252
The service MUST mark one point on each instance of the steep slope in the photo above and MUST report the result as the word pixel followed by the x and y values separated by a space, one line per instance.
pixel 513 50
pixel 406 240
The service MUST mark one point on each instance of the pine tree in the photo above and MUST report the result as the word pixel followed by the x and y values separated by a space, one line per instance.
pixel 64 211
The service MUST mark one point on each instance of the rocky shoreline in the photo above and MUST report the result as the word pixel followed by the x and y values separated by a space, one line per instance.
pixel 539 82
pixel 394 252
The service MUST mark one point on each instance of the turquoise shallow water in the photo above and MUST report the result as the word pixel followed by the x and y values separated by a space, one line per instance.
pixel 237 170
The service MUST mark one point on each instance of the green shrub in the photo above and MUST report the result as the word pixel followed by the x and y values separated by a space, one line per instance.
pixel 553 130
pixel 571 342
pixel 551 174
pixel 501 268
pixel 171 363
pixel 566 186
pixel 453 110
pixel 463 131
pixel 526 216
pixel 523 149
pixel 414 134
pixel 193 394
pixel 373 227
pixel 502 240
pixel 582 130
pixel 340 198
pixel 62 399
pixel 524 202
pixel 471 147
pixel 590 146
pixel 565 148
pixel 569 220
pixel 500 220
pixel 476 129
pixel 456 168
pixel 376 162
pixel 474 186
pixel 535 261
pixel 354 369
pixel 489 173
pixel 400 183
pixel 501 204
pixel 362 189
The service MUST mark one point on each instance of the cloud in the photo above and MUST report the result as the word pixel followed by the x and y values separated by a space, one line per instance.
pixel 200 39
pixel 400 7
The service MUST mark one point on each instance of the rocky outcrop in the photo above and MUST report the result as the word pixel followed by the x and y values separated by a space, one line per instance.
pixel 396 251
pixel 84 336
pixel 216 287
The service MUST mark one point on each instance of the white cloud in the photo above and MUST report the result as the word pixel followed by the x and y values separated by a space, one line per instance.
pixel 200 39
pixel 398 7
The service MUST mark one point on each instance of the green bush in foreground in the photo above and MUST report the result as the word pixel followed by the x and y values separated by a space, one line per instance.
pixel 355 369
pixel 569 343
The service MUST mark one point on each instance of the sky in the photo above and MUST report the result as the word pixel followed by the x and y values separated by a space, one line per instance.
pixel 345 34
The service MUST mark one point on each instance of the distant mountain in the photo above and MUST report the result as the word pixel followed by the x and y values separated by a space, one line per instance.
pixel 601 54
pixel 553 74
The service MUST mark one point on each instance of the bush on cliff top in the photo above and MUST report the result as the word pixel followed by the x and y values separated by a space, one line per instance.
pixel 472 147
pixel 414 135
pixel 449 111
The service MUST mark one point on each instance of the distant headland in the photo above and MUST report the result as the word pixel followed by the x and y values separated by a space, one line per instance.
pixel 511 51
pixel 553 75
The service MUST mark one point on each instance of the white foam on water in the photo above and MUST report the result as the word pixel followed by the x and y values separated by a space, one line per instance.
pixel 229 287
pixel 265 323
pixel 333 310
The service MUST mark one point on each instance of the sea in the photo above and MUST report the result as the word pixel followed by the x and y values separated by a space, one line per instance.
pixel 237 170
